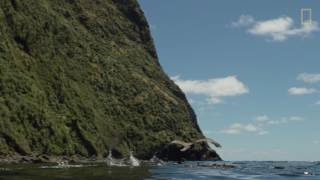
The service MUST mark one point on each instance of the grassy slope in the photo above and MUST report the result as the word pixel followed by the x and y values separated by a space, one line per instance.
pixel 82 76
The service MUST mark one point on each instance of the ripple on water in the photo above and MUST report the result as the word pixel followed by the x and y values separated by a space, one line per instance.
pixel 169 171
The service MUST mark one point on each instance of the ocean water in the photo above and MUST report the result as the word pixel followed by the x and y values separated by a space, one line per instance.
pixel 171 171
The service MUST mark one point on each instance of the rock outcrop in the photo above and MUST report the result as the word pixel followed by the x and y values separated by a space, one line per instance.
pixel 197 152
pixel 80 77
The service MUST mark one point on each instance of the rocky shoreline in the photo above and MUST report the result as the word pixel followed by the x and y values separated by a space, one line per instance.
pixel 188 151
pixel 44 158
pixel 170 152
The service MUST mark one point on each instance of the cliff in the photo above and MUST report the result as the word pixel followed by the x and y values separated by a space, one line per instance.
pixel 80 77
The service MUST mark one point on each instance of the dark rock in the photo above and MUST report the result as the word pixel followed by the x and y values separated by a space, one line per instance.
pixel 28 159
pixel 198 152
pixel 218 166
pixel 279 167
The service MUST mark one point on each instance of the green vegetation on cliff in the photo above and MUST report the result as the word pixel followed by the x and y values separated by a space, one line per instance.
pixel 78 77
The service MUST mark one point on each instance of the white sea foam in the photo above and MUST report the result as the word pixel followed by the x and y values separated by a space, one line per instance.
pixel 133 161
pixel 62 165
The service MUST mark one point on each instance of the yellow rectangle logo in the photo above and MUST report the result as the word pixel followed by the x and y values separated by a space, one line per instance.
pixel 306 16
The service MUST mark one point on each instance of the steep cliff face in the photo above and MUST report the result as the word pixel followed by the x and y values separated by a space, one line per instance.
pixel 79 77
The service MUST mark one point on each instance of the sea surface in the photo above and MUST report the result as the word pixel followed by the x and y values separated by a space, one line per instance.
pixel 186 171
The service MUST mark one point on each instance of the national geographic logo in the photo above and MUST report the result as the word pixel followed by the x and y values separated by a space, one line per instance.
pixel 306 16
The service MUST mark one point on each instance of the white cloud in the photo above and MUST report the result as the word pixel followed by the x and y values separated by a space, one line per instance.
pixel 244 20
pixel 272 26
pixel 214 89
pixel 309 78
pixel 279 29
pixel 238 128
pixel 262 119
pixel 214 100
pixel 301 91
pixel 316 141
pixel 259 125
pixel 265 120
pixel 263 132
pixel 317 103
pixel 296 118
pixel 209 132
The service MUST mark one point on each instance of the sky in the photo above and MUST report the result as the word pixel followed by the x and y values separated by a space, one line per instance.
pixel 250 69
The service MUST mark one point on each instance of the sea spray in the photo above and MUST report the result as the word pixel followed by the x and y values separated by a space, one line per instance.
pixel 110 160
pixel 156 161
pixel 63 164
pixel 133 161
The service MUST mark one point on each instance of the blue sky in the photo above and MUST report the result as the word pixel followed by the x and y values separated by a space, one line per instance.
pixel 250 69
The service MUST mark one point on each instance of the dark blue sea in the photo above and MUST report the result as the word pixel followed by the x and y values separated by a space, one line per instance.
pixel 186 171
